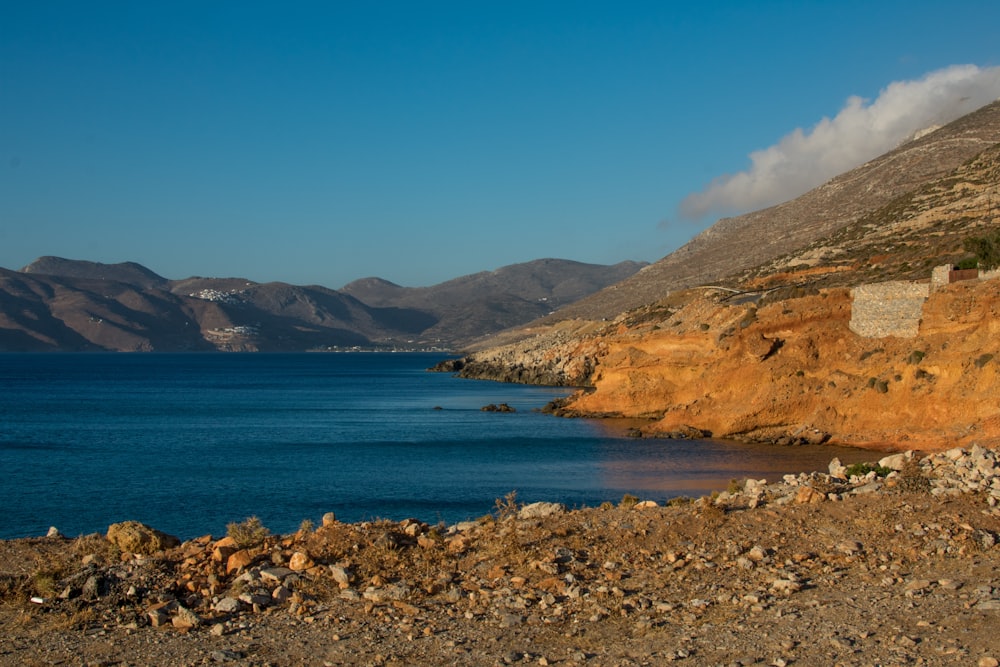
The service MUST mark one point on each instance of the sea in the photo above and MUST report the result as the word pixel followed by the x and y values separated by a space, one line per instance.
pixel 188 443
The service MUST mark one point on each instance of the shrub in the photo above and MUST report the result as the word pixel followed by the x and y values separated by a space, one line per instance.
pixel 506 507
pixel 248 533
pixel 912 479
pixel 986 249
pixel 628 500
pixel 862 469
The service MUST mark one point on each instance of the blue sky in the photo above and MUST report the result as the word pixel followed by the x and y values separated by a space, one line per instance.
pixel 420 141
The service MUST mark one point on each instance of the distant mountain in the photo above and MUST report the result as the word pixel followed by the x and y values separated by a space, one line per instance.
pixel 62 304
pixel 125 272
pixel 495 300
pixel 733 245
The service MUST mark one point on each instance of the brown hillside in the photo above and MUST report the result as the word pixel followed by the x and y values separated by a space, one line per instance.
pixel 740 243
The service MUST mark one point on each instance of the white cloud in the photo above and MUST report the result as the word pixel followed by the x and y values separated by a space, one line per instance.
pixel 803 160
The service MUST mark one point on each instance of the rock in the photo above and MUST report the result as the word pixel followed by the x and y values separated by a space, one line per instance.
pixel 275 574
pixel 256 599
pixel 329 519
pixel 896 461
pixel 281 594
pixel 808 495
pixel 91 588
pixel 300 561
pixel 540 510
pixel 159 614
pixel 185 619
pixel 238 561
pixel 458 544
pixel 493 407
pixel 837 469
pixel 53 532
pixel 849 547
pixel 138 538
pixel 227 605
pixel 342 575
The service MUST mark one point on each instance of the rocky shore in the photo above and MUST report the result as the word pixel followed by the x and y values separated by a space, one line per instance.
pixel 777 370
pixel 896 562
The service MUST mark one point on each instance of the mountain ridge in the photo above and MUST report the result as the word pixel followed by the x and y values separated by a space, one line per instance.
pixel 718 251
pixel 55 303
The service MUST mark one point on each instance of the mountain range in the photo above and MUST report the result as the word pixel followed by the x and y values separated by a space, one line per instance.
pixel 77 305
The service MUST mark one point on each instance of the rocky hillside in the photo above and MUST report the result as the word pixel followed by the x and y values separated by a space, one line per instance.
pixel 768 352
pixel 73 305
pixel 736 244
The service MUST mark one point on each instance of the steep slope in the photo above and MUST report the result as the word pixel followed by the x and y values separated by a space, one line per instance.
pixel 39 313
pixel 793 370
pixel 779 360
pixel 736 244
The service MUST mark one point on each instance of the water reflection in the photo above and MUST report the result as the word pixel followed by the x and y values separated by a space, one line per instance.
pixel 668 468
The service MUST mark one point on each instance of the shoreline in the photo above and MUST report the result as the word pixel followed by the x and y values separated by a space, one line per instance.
pixel 884 567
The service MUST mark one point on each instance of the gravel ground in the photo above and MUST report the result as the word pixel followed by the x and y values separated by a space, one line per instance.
pixel 813 570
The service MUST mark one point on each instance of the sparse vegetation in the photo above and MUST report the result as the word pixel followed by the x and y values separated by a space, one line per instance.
pixel 247 533
pixel 628 500
pixel 506 507
pixel 986 249
pixel 862 469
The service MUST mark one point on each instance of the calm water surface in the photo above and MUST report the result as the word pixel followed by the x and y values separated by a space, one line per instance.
pixel 188 443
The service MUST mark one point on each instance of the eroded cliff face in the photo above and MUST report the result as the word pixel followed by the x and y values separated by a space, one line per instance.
pixel 794 369
pixel 791 371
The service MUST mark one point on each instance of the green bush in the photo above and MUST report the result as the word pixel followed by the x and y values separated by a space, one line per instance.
pixel 985 248
pixel 862 469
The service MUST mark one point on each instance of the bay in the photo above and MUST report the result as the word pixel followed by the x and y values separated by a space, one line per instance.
pixel 190 442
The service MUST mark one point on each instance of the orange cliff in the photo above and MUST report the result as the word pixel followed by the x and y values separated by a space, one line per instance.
pixel 794 370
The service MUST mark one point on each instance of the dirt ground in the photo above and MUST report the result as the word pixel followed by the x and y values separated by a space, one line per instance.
pixel 893 577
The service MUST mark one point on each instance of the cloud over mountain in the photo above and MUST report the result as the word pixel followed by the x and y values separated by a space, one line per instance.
pixel 861 131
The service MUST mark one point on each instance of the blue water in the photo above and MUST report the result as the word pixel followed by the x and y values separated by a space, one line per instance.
pixel 190 442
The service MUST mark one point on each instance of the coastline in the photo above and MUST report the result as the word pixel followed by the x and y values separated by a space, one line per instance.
pixel 810 569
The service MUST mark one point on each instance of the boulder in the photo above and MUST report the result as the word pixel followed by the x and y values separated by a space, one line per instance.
pixel 896 461
pixel 238 561
pixel 300 561
pixel 808 495
pixel 138 538
pixel 540 510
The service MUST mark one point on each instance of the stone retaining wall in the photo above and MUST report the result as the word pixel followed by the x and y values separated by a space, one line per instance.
pixel 888 309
